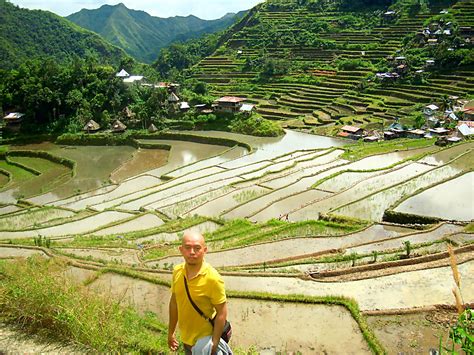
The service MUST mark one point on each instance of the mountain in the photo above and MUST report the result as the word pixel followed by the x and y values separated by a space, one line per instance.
pixel 28 34
pixel 142 35
pixel 321 65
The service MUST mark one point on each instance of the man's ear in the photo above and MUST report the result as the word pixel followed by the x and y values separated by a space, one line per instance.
pixel 181 249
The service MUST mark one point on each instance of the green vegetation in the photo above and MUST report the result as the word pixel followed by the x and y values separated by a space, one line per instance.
pixel 36 294
pixel 256 126
pixel 30 34
pixel 362 150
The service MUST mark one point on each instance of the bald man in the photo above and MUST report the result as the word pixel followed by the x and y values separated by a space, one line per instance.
pixel 206 289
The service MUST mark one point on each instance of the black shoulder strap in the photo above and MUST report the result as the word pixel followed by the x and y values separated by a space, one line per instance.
pixel 194 304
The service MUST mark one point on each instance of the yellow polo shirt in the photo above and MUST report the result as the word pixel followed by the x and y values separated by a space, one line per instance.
pixel 206 290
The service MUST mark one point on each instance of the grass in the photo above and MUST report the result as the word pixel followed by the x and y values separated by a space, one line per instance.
pixel 362 150
pixel 36 294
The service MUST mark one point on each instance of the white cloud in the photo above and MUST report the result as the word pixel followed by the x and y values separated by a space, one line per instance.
pixel 205 9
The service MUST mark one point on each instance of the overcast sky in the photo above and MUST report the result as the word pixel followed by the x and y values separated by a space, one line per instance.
pixel 205 9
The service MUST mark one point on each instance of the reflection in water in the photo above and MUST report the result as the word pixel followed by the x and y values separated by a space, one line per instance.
pixel 453 200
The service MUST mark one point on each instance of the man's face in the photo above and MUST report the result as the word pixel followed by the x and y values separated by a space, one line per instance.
pixel 193 249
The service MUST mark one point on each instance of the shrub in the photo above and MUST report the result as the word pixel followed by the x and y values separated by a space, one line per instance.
pixel 256 126
pixel 36 294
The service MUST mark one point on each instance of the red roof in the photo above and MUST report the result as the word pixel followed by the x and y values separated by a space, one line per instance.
pixel 343 134
pixel 232 99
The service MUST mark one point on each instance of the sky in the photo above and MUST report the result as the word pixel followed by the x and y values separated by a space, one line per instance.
pixel 204 9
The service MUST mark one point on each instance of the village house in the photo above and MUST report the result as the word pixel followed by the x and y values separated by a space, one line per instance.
pixel 228 104
pixel 91 126
pixel 13 120
pixel 351 132
pixel 152 129
pixel 118 127
pixel 416 133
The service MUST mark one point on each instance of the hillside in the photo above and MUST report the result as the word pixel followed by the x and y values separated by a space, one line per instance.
pixel 313 65
pixel 28 34
pixel 142 35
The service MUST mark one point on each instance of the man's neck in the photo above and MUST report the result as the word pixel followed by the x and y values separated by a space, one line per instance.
pixel 192 270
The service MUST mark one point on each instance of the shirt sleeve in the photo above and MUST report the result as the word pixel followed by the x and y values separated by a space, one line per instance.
pixel 218 291
pixel 173 280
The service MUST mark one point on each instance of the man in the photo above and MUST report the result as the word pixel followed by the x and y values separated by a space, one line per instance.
pixel 206 289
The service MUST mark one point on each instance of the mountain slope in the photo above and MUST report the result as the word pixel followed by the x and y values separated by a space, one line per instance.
pixel 313 64
pixel 142 35
pixel 32 33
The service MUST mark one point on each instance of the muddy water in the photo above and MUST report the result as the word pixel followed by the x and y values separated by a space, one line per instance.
pixel 142 295
pixel 303 169
pixel 251 319
pixel 18 252
pixel 99 200
pixel 52 175
pixel 143 222
pixel 78 275
pixel 231 154
pixel 94 165
pixel 279 208
pixel 292 327
pixel 359 190
pixel 32 218
pixel 118 255
pixel 217 206
pixel 274 147
pixel 452 200
pixel 184 153
pixel 373 207
pixel 406 290
pixel 205 227
pixel 191 193
pixel 3 180
pixel 417 238
pixel 345 180
pixel 85 225
pixel 266 252
pixel 142 161
pixel 9 209
pixel 176 186
pixel 447 155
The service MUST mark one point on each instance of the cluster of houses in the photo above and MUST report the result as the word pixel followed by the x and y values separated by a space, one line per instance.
pixel 435 119
pixel 437 32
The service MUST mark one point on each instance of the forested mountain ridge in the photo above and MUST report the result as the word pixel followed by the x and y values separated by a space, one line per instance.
pixel 26 34
pixel 142 35
pixel 313 63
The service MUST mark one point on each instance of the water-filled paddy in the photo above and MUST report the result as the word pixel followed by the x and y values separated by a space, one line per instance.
pixel 373 207
pixel 146 221
pixel 94 165
pixel 266 252
pixel 452 200
pixel 142 161
pixel 32 218
pixel 85 225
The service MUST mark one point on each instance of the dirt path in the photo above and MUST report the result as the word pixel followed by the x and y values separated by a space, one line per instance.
pixel 14 341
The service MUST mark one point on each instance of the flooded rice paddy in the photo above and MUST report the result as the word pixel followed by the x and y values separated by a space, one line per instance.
pixel 146 194
pixel 452 200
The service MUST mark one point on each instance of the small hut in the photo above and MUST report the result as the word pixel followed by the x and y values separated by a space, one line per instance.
pixel 118 127
pixel 91 126
pixel 152 129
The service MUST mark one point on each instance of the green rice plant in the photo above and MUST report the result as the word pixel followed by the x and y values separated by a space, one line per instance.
pixel 36 295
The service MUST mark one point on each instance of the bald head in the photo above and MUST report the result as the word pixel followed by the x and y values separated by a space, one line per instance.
pixel 193 236
pixel 193 248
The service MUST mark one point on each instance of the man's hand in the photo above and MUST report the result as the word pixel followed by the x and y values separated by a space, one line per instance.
pixel 214 347
pixel 172 342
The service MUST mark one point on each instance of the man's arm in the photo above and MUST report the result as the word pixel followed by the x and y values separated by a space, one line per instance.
pixel 219 323
pixel 173 321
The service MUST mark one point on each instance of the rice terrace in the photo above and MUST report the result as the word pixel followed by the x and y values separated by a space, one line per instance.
pixel 323 148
